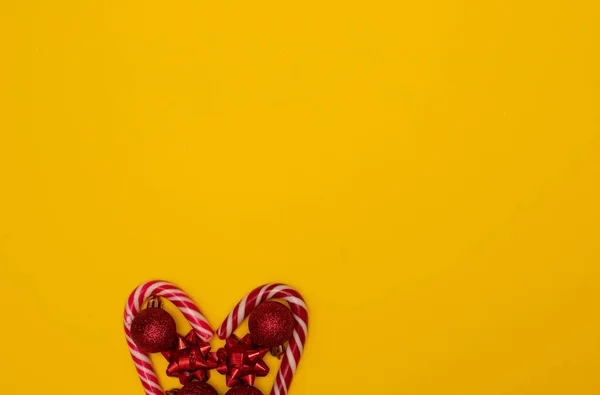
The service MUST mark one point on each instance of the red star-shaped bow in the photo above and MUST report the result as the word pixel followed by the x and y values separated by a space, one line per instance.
pixel 241 361
pixel 190 359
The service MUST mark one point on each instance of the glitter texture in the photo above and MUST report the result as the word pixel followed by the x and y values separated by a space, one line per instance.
pixel 243 390
pixel 197 388
pixel 153 330
pixel 271 324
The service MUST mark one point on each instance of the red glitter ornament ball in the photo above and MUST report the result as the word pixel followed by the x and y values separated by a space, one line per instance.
pixel 271 324
pixel 153 330
pixel 243 390
pixel 197 388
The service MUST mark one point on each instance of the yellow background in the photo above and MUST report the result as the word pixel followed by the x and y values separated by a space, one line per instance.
pixel 424 172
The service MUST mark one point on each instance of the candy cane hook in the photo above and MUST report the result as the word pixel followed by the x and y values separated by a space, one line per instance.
pixel 296 343
pixel 183 302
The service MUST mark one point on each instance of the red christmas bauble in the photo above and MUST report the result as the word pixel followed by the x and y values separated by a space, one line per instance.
pixel 271 324
pixel 197 388
pixel 153 330
pixel 243 390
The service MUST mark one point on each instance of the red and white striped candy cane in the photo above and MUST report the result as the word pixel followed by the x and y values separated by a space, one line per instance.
pixel 296 343
pixel 183 303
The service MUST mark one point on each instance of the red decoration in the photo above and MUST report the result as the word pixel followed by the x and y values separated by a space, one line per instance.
pixel 243 390
pixel 153 330
pixel 241 361
pixel 197 388
pixel 271 324
pixel 190 359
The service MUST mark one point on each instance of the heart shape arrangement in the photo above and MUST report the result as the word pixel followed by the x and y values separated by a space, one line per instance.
pixel 189 356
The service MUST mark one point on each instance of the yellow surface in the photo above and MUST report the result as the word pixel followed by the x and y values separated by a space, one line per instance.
pixel 426 173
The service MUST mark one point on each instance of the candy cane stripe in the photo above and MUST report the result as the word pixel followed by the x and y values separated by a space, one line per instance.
pixel 282 381
pixel 277 289
pixel 260 295
pixel 133 306
pixel 182 301
pixel 230 324
pixel 291 359
pixel 295 300
pixel 296 344
pixel 242 310
pixel 302 324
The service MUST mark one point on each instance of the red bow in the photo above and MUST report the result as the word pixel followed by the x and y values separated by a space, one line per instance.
pixel 190 359
pixel 241 361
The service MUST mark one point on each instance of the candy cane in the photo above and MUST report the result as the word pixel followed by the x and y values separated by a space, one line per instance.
pixel 133 307
pixel 296 344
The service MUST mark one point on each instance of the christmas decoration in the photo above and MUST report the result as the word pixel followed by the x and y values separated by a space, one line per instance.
pixel 182 301
pixel 190 359
pixel 241 361
pixel 153 329
pixel 271 324
pixel 243 390
pixel 295 346
pixel 197 388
